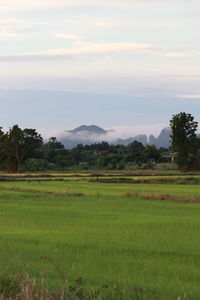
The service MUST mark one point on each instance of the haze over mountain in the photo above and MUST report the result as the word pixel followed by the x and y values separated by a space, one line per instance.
pixel 87 135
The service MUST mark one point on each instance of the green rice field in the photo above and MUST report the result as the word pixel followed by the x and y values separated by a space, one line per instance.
pixel 112 235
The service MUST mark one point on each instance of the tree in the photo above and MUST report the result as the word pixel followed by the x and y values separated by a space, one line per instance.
pixel 19 145
pixel 184 139
pixel 51 149
pixel 13 148
pixel 65 159
pixel 134 152
pixel 2 149
pixel 150 153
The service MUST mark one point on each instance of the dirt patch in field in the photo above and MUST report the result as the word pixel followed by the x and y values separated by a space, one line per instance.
pixel 161 197
pixel 153 180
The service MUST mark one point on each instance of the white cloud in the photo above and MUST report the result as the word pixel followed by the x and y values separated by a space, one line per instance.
pixel 102 49
pixel 119 23
pixel 19 5
pixel 102 61
pixel 7 34
pixel 184 51
pixel 10 5
pixel 189 96
pixel 12 28
pixel 76 39
pixel 11 21
pixel 105 24
pixel 131 131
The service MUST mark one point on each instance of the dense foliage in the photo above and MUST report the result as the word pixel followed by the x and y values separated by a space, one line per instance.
pixel 25 150
pixel 185 142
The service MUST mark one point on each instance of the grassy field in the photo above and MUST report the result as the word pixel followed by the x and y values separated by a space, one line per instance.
pixel 108 234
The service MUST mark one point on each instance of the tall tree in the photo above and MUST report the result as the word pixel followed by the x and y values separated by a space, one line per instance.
pixel 52 148
pixel 13 144
pixel 19 145
pixel 183 138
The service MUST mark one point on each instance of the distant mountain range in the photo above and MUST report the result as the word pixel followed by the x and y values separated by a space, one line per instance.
pixel 163 140
pixel 87 135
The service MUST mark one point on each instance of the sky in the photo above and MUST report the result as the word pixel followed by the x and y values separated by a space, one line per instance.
pixel 127 65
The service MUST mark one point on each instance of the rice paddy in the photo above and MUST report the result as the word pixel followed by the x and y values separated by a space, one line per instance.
pixel 137 237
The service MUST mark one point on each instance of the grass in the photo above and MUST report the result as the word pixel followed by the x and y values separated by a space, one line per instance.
pixel 107 234
pixel 137 176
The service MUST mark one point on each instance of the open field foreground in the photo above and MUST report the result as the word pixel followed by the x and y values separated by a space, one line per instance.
pixel 131 241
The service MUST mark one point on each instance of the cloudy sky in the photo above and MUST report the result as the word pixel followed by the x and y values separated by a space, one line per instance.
pixel 126 64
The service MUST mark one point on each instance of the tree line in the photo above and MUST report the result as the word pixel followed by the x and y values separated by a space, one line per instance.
pixel 25 150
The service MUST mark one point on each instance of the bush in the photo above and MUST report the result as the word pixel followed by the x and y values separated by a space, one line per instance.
pixel 35 164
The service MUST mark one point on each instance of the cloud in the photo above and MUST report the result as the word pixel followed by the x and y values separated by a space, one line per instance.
pixel 12 28
pixel 7 34
pixel 101 49
pixel 20 5
pixel 189 96
pixel 116 132
pixel 183 52
pixel 118 23
pixel 76 39
pixel 11 21
pixel 125 132
pixel 11 5
pixel 13 34
pixel 103 61
pixel 92 50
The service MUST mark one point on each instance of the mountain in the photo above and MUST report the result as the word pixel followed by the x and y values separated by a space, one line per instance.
pixel 87 135
pixel 163 139
pixel 93 129
pixel 139 138
pixel 152 140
